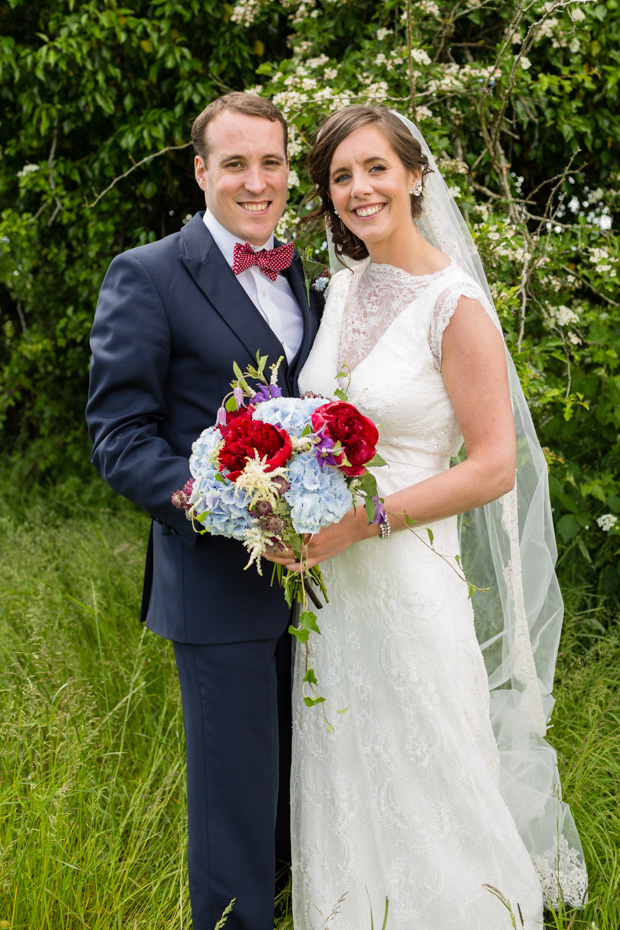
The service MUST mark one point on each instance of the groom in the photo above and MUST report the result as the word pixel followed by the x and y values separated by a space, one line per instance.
pixel 172 318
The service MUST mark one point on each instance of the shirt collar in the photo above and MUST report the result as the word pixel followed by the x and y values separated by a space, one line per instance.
pixel 225 240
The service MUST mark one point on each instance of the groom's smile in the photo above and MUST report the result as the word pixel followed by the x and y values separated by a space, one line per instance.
pixel 245 178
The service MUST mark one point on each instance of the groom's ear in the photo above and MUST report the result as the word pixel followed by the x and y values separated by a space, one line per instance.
pixel 200 173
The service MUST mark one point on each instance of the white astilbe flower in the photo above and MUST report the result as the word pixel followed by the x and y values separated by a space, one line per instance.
pixel 260 485
pixel 606 521
pixel 255 543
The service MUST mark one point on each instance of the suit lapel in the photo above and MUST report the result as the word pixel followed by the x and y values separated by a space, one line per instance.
pixel 216 280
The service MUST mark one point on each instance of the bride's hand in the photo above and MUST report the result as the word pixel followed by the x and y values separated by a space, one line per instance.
pixel 329 542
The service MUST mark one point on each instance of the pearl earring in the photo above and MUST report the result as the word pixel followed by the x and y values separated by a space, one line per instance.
pixel 417 190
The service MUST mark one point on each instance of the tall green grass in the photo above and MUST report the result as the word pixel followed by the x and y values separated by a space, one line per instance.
pixel 92 807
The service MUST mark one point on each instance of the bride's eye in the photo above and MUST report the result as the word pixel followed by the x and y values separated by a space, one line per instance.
pixel 341 177
pixel 377 168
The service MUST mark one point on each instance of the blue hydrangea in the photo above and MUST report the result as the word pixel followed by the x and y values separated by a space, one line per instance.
pixel 202 448
pixel 316 497
pixel 290 413
pixel 224 505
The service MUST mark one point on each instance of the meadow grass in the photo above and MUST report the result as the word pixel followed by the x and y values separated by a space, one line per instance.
pixel 92 806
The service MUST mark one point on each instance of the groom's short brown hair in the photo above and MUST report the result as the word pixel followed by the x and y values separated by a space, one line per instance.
pixel 250 104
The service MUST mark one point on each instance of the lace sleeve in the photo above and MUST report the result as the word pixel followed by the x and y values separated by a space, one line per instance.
pixel 445 304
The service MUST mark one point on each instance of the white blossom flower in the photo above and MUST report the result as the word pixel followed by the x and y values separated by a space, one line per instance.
pixel 28 169
pixel 380 59
pixel 419 55
pixel 574 45
pixel 429 7
pixel 606 521
pixel 330 73
pixel 378 91
pixel 286 223
pixel 317 62
pixel 383 34
pixel 525 63
pixel 564 315
pixel 577 14
pixel 423 113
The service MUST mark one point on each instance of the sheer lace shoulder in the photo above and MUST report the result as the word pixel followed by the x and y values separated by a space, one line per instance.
pixel 377 295
pixel 446 302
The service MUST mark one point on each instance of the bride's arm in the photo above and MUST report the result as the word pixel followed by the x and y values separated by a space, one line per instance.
pixel 476 379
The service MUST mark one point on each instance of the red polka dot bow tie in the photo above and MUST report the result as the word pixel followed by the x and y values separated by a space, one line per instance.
pixel 270 261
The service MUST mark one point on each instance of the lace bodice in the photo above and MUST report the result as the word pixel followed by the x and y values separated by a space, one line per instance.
pixel 386 326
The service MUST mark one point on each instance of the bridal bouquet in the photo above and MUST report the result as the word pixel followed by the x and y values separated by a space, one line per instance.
pixel 273 469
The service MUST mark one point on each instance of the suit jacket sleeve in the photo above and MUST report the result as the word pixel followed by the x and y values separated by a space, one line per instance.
pixel 131 349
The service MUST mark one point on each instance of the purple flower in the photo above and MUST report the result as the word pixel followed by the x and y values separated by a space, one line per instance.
pixel 220 420
pixel 323 452
pixel 380 515
pixel 238 395
pixel 266 392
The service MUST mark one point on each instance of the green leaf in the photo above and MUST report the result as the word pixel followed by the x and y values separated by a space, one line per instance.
pixel 340 394
pixel 307 621
pixel 300 635
pixel 312 702
pixel 431 535
pixel 376 461
pixel 310 677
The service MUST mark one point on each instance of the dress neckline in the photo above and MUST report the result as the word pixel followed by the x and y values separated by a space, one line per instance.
pixel 383 268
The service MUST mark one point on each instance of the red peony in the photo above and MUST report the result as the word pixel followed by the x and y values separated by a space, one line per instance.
pixel 232 415
pixel 245 437
pixel 357 434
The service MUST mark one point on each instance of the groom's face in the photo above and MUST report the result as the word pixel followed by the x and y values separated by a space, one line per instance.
pixel 245 177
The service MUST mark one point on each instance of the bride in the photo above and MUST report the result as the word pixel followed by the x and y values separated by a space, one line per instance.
pixel 436 790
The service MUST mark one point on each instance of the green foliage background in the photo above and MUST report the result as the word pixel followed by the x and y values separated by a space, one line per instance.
pixel 518 100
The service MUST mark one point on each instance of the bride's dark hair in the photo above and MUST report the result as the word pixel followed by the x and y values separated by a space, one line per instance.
pixel 334 131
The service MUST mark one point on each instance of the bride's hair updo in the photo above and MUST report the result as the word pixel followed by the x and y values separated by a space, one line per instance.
pixel 335 130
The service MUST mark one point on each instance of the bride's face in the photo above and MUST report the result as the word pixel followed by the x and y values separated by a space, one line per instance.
pixel 369 187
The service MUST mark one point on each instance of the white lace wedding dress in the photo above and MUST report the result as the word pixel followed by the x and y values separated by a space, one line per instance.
pixel 401 800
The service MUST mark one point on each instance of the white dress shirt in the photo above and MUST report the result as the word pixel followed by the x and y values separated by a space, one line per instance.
pixel 274 300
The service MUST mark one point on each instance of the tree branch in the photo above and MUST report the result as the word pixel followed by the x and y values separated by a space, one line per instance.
pixel 138 164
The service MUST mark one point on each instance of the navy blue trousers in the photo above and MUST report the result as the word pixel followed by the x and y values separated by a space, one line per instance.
pixel 237 719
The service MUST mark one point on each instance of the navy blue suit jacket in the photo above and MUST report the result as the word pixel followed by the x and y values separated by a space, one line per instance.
pixel 171 319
